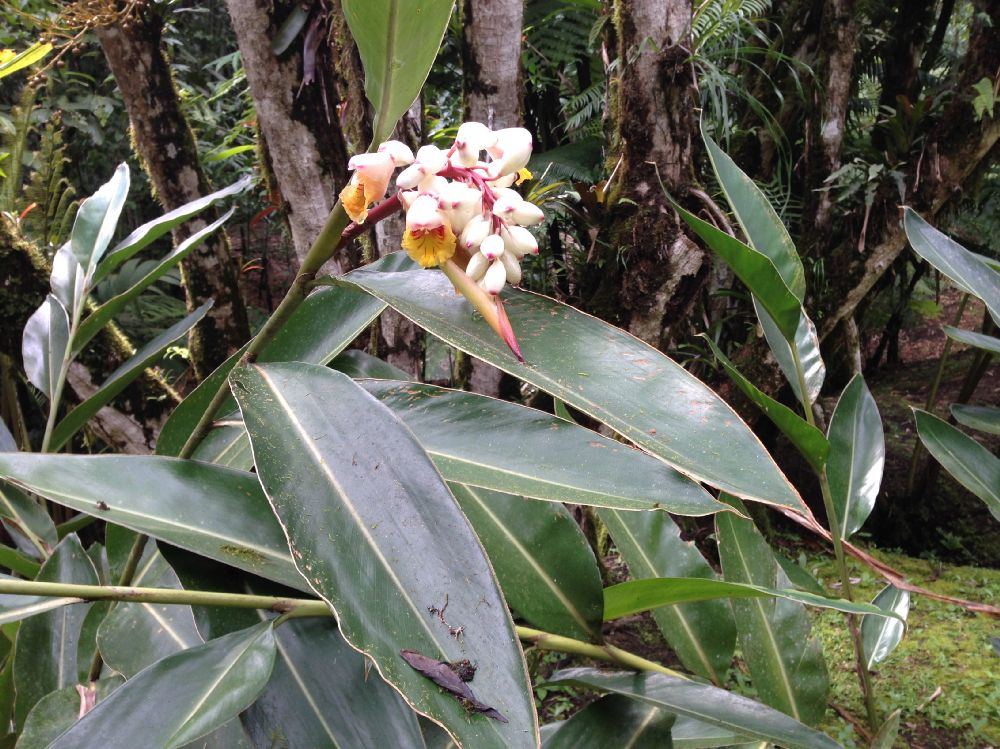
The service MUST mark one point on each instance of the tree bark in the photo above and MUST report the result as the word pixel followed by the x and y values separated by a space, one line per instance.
pixel 654 273
pixel 298 121
pixel 165 144
pixel 491 75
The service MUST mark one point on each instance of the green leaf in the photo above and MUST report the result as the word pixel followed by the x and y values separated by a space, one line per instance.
pixel 15 607
pixel 321 695
pixel 635 596
pixel 805 346
pixel 880 634
pixel 857 456
pixel 23 59
pixel 149 232
pixel 807 439
pixel 207 509
pixel 17 562
pixel 601 371
pixel 45 344
pixel 534 454
pixel 545 566
pixel 101 316
pixel 227 153
pixel 956 262
pixel 398 42
pixel 969 338
pixel 121 377
pixel 374 530
pixel 96 220
pixel 24 513
pixel 754 269
pixel 290 29
pixel 46 655
pixel 786 664
pixel 326 322
pixel 67 279
pixel 703 635
pixel 614 722
pixel 758 219
pixel 357 364
pixel 981 418
pixel 182 697
pixel 886 736
pixel 57 711
pixel 704 703
pixel 971 464
pixel 136 635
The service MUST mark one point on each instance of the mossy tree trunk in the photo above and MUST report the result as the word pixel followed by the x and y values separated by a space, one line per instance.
pixel 654 273
pixel 165 144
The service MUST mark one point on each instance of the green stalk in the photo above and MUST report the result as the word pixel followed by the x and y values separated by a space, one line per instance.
pixel 911 478
pixel 548 641
pixel 864 677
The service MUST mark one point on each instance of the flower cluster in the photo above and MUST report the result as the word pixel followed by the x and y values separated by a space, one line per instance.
pixel 455 202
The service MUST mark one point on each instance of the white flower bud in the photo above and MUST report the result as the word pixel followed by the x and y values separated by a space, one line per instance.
pixel 527 214
pixel 423 214
pixel 492 247
pixel 409 177
pixel 431 159
pixel 476 268
pixel 506 203
pixel 460 203
pixel 495 278
pixel 400 153
pixel 406 198
pixel 511 151
pixel 512 267
pixel 520 241
pixel 433 185
pixel 504 181
pixel 475 232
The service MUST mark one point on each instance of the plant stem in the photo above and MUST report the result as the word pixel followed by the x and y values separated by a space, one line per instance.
pixel 833 521
pixel 128 594
pixel 74 524
pixel 911 478
pixel 548 641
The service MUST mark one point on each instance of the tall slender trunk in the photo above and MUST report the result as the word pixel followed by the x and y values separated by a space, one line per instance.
pixel 654 272
pixel 491 74
pixel 166 146
pixel 298 120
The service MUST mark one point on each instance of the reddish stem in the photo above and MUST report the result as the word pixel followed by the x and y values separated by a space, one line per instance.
pixel 379 212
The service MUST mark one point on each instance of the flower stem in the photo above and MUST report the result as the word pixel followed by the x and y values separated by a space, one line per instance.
pixel 548 641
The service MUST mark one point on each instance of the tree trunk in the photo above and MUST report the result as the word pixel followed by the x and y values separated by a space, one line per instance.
pixel 491 75
pixel 165 144
pixel 654 273
pixel 297 120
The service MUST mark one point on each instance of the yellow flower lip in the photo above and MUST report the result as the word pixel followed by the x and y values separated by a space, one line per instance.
pixel 430 247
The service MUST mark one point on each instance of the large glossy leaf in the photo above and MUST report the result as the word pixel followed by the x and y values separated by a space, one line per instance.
pixel 614 722
pixel 544 564
pixel 14 607
pixel 981 418
pixel 971 464
pixel 44 346
pixel 879 634
pixel 702 634
pixel 46 655
pixel 125 374
pixel 326 322
pixel 136 635
pixel 704 703
pixel 755 270
pixel 786 664
pixel 807 438
pixel 149 232
pixel 101 316
pixel 359 364
pixel 499 445
pixel 375 531
pixel 20 510
pixel 758 219
pixel 603 372
pixel 642 595
pixel 806 347
pixel 398 41
pixel 321 696
pixel 214 511
pixel 182 697
pixel 970 338
pixel 67 279
pixel 57 711
pixel 956 262
pixel 96 220
pixel 857 456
